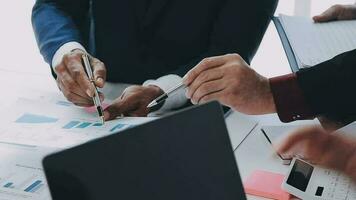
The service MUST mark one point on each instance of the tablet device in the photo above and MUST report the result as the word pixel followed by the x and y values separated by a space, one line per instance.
pixel 187 155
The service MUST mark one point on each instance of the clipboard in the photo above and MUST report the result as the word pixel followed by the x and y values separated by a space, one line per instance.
pixel 286 45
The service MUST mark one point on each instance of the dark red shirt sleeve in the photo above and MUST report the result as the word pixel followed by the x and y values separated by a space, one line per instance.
pixel 289 98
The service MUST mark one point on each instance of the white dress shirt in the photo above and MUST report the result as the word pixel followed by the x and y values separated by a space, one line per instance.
pixel 165 82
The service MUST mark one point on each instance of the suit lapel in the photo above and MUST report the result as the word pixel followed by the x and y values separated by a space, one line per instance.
pixel 154 10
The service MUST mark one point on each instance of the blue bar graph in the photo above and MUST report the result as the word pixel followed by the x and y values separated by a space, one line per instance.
pixel 83 125
pixel 7 185
pixel 64 103
pixel 32 186
pixel 35 119
pixel 98 124
pixel 71 124
pixel 118 126
pixel 37 188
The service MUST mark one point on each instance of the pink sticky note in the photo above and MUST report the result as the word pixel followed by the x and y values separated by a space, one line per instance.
pixel 266 184
pixel 93 108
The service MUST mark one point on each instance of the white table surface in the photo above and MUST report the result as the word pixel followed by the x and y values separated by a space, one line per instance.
pixel 255 153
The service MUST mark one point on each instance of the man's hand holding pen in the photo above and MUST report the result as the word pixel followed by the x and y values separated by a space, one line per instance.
pixel 73 81
pixel 76 86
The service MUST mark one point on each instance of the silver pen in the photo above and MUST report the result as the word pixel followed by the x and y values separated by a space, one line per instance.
pixel 166 95
pixel 96 97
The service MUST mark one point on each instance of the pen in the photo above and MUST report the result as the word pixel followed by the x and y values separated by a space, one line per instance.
pixel 96 98
pixel 284 160
pixel 165 96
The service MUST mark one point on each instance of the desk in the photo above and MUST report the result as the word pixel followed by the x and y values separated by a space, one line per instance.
pixel 254 153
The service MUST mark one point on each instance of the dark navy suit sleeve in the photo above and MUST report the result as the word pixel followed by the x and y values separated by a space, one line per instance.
pixel 56 22
pixel 239 28
pixel 329 87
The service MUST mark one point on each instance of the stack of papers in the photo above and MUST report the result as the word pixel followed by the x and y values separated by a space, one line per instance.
pixel 314 43
pixel 34 128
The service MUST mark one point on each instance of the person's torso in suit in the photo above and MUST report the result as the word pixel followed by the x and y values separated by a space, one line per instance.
pixel 146 39
pixel 150 38
pixel 153 38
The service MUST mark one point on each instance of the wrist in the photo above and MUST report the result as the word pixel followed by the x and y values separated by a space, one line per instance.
pixel 64 49
pixel 269 104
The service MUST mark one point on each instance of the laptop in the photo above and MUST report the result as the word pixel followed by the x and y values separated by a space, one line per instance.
pixel 187 155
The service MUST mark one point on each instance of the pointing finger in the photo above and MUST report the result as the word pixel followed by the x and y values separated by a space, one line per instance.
pixel 75 67
pixel 205 64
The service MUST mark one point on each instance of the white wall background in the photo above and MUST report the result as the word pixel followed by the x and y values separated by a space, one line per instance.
pixel 19 52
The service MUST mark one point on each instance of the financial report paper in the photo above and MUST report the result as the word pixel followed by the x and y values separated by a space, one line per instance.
pixel 57 124
pixel 21 172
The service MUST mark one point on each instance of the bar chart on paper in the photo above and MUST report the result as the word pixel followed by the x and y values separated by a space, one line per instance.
pixel 78 125
pixel 38 129
pixel 23 182
pixel 57 124
pixel 28 118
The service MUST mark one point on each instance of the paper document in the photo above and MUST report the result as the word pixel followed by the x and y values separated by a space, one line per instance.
pixel 19 181
pixel 349 130
pixel 239 128
pixel 277 133
pixel 314 43
pixel 56 124
pixel 21 173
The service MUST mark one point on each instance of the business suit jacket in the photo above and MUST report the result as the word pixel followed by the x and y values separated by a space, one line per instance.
pixel 145 39
pixel 330 87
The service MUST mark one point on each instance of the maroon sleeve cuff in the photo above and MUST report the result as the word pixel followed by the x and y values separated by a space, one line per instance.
pixel 289 99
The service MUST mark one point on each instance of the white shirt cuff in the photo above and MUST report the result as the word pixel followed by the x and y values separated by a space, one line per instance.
pixel 167 82
pixel 64 49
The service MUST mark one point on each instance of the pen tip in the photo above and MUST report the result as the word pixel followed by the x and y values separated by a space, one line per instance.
pixel 102 120
pixel 150 105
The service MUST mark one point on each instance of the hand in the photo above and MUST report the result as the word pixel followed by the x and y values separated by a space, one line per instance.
pixel 133 102
pixel 229 80
pixel 314 144
pixel 337 12
pixel 73 81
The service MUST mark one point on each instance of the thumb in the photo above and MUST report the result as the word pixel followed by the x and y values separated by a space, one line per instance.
pixel 99 71
pixel 329 15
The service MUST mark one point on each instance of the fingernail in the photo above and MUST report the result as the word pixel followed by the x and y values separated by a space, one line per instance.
pixel 286 156
pixel 187 94
pixel 185 77
pixel 106 115
pixel 300 156
pixel 89 93
pixel 100 81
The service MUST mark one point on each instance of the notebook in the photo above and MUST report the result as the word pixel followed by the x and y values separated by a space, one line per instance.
pixel 313 43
